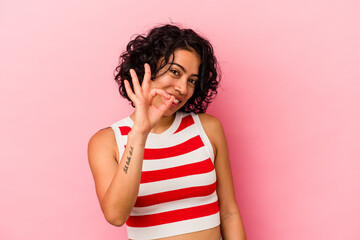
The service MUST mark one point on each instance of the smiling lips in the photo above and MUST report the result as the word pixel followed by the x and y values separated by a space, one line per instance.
pixel 176 101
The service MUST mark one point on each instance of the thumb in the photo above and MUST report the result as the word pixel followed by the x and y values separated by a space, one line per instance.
pixel 166 104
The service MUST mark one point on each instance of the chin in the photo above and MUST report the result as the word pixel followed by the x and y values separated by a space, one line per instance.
pixel 170 112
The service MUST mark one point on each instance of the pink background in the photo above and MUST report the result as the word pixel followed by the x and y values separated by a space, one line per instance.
pixel 289 103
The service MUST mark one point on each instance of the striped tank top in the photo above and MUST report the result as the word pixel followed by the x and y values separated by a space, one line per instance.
pixel 177 193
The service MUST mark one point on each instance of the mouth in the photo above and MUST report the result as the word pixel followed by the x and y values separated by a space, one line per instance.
pixel 176 101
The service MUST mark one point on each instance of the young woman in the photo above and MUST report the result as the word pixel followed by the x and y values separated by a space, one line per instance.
pixel 164 170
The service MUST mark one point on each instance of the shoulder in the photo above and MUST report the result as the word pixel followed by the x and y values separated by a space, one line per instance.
pixel 213 129
pixel 210 123
pixel 103 142
pixel 103 136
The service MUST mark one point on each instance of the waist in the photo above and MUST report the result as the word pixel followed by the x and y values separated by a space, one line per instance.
pixel 181 227
pixel 207 234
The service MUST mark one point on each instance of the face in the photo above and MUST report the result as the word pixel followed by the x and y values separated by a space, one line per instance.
pixel 179 80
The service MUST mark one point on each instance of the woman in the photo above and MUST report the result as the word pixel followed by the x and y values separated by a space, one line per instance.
pixel 164 170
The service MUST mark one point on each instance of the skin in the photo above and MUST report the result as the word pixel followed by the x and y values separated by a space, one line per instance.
pixel 156 103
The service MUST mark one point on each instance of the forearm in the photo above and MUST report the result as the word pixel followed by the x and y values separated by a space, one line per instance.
pixel 121 195
pixel 232 227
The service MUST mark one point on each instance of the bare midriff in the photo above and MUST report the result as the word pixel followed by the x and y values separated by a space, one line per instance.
pixel 208 234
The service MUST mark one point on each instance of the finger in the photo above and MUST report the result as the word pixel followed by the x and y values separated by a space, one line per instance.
pixel 166 104
pixel 157 91
pixel 135 81
pixel 168 99
pixel 147 78
pixel 129 91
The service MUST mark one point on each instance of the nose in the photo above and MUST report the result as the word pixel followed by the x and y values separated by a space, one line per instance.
pixel 181 86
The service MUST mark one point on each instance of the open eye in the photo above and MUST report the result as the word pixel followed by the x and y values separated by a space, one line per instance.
pixel 192 81
pixel 175 72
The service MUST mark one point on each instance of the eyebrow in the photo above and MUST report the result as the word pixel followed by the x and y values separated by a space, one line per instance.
pixel 195 75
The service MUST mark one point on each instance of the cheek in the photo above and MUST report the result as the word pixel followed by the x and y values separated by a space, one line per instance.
pixel 152 84
pixel 160 82
pixel 157 101
pixel 191 92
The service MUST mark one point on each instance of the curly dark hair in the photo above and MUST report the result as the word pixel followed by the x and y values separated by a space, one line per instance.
pixel 160 43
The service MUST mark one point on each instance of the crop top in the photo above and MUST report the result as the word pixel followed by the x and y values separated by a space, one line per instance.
pixel 177 193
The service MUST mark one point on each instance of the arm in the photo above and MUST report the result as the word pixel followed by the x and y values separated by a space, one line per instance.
pixel 231 223
pixel 116 188
pixel 117 185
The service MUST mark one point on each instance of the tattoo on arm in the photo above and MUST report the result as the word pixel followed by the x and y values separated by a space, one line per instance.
pixel 126 167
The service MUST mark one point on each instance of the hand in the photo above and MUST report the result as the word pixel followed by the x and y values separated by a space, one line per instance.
pixel 146 114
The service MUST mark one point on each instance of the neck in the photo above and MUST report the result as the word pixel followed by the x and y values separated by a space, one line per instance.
pixel 163 124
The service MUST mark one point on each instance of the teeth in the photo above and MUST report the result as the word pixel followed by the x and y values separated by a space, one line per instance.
pixel 176 101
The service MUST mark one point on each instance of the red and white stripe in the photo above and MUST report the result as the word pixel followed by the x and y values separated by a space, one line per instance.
pixel 177 192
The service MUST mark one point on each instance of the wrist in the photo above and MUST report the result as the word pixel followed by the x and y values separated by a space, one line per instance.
pixel 140 136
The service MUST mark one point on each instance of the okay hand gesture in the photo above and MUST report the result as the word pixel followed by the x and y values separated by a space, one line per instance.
pixel 146 114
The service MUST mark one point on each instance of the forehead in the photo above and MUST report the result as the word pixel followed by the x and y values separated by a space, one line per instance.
pixel 189 59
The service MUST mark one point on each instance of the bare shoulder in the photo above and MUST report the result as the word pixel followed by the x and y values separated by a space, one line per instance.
pixel 214 130
pixel 105 134
pixel 211 124
pixel 103 138
pixel 103 143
